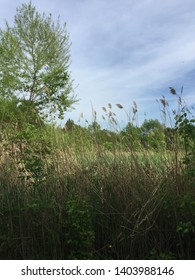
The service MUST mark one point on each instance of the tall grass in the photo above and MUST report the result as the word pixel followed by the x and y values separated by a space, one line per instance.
pixel 65 195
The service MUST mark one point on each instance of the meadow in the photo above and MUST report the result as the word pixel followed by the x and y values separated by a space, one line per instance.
pixel 89 193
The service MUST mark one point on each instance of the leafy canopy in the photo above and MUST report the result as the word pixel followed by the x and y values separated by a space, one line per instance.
pixel 34 61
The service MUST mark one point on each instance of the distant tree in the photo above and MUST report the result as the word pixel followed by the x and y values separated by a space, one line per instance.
pixel 151 125
pixel 130 129
pixel 152 134
pixel 34 61
pixel 132 135
pixel 69 125
pixel 94 127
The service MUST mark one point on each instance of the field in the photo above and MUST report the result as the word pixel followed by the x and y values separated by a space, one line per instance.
pixel 72 194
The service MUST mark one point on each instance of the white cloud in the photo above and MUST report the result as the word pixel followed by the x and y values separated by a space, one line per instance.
pixel 126 50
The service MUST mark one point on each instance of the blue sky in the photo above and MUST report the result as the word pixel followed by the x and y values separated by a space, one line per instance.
pixel 125 51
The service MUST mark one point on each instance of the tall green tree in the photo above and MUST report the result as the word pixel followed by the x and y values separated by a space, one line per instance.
pixel 34 61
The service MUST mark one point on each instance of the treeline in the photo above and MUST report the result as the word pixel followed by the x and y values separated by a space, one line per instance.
pixel 151 134
pixel 19 117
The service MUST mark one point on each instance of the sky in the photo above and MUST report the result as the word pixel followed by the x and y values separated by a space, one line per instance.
pixel 124 52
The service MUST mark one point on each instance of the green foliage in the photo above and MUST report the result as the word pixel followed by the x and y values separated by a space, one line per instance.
pixel 186 130
pixel 79 229
pixel 91 193
pixel 8 112
pixel 132 136
pixel 94 127
pixel 151 124
pixel 20 124
pixel 185 228
pixel 153 134
pixel 155 255
pixel 31 168
pixel 108 145
pixel 34 60
pixel 149 135
pixel 180 223
pixel 70 125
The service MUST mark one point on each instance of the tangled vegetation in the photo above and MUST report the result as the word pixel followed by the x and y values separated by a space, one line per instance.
pixel 91 193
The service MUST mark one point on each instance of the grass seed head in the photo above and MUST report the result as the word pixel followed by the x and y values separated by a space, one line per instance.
pixel 164 102
pixel 172 90
pixel 119 106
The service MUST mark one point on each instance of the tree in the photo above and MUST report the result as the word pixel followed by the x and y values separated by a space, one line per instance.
pixel 34 61
pixel 94 127
pixel 14 113
pixel 152 134
pixel 132 135
pixel 69 126
pixel 151 125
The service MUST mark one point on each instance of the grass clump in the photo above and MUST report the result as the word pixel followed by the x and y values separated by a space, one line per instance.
pixel 91 193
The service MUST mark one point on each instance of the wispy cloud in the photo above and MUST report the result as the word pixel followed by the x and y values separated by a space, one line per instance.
pixel 126 50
